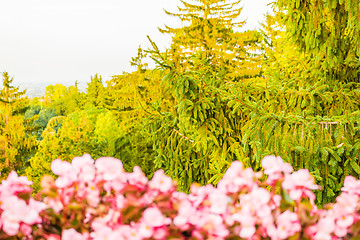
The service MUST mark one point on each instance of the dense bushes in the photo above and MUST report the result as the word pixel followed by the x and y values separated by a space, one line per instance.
pixel 98 200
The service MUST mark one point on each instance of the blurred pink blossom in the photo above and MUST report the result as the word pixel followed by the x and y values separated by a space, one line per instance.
pixel 275 168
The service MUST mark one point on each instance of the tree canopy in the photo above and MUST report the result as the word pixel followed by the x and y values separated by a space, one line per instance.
pixel 329 31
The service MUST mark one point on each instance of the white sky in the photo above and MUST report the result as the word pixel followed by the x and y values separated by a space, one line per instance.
pixel 60 41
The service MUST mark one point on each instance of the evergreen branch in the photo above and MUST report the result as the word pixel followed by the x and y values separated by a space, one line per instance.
pixel 4 101
pixel 183 136
pixel 156 51
pixel 143 107
pixel 249 107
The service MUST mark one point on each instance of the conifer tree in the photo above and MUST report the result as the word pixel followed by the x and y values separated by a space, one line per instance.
pixel 294 113
pixel 54 98
pixel 301 113
pixel 74 99
pixel 285 64
pixel 132 98
pixel 16 143
pixel 65 100
pixel 211 29
pixel 199 139
pixel 330 31
pixel 95 92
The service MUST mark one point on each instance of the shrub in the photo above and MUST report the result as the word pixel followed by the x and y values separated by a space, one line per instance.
pixel 98 200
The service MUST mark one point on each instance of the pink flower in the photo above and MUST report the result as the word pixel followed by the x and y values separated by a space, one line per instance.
pixel 237 178
pixel 324 228
pixel 119 205
pixel 66 194
pixel 275 168
pixel 276 201
pixel 100 229
pixel 13 210
pixel 84 167
pixel 288 224
pixel 160 233
pixel 137 178
pixel 351 185
pixel 219 201
pixel 31 213
pixel 17 212
pixel 132 234
pixel 54 203
pixel 72 234
pixel 52 237
pixel 161 182
pixel 214 226
pixel 341 231
pixel 322 236
pixel 90 192
pixel 199 193
pixel 186 210
pixel 345 221
pixel 109 168
pixel 345 203
pixel 261 197
pixel 247 223
pixel 299 183
pixel 234 171
pixel 145 230
pixel 120 201
pixel 14 185
pixel 154 218
pixel 67 175
pixel 25 229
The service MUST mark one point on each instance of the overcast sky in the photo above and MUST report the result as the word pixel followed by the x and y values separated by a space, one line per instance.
pixel 61 41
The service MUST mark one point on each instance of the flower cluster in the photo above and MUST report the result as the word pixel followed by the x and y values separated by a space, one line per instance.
pixel 19 212
pixel 98 200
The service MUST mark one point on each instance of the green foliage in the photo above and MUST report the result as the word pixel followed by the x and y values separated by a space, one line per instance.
pixel 41 115
pixel 132 97
pixel 313 128
pixel 65 100
pixel 199 138
pixel 209 27
pixel 95 93
pixel 295 113
pixel 92 131
pixel 44 116
pixel 135 148
pixel 54 96
pixel 16 141
pixel 32 111
pixel 310 126
pixel 329 31
pixel 107 130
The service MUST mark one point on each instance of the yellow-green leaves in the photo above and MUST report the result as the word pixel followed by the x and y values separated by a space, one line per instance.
pixel 329 32
pixel 16 141
pixel 210 29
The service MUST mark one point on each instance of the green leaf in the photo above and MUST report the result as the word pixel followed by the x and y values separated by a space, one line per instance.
pixel 286 198
pixel 355 166
pixel 300 148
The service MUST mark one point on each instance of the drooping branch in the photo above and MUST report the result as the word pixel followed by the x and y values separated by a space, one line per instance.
pixel 183 136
